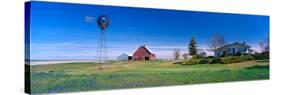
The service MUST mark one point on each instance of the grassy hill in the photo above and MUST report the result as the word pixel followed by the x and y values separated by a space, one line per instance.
pixel 85 76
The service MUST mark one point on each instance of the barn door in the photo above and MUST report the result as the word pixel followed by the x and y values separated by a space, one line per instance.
pixel 146 58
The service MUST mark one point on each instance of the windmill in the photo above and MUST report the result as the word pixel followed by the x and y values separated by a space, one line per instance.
pixel 103 21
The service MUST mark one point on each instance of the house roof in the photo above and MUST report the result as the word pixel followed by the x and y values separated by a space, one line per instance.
pixel 125 54
pixel 235 43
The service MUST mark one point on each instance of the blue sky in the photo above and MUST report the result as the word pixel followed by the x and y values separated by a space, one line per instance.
pixel 59 31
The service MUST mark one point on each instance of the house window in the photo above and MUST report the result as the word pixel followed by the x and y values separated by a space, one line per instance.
pixel 244 49
pixel 229 50
pixel 239 50
pixel 233 50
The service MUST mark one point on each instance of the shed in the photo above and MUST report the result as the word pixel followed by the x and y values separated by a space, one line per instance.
pixel 124 57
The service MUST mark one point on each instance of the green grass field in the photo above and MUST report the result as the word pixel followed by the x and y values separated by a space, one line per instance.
pixel 85 76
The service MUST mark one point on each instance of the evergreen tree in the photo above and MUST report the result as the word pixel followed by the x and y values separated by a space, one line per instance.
pixel 192 47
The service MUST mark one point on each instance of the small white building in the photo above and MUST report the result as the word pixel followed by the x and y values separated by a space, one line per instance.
pixel 124 57
pixel 233 48
pixel 205 52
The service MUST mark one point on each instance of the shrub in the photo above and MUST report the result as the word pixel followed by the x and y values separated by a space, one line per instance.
pixel 190 62
pixel 215 60
pixel 224 54
pixel 197 57
pixel 261 56
pixel 246 58
pixel 235 59
pixel 238 54
pixel 204 61
pixel 230 59
pixel 210 57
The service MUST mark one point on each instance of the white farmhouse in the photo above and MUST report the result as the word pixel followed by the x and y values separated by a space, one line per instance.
pixel 233 48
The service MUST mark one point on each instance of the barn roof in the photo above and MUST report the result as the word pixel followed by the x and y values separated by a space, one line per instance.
pixel 145 49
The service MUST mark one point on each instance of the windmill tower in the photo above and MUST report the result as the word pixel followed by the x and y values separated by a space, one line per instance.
pixel 103 22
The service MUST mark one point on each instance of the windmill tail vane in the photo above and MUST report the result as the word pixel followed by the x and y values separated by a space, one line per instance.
pixel 89 19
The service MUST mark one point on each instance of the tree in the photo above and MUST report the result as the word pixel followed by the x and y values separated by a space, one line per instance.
pixel 266 49
pixel 177 54
pixel 192 47
pixel 216 41
pixel 185 55
pixel 264 45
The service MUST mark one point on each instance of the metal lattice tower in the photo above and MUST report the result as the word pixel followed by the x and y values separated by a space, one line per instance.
pixel 101 54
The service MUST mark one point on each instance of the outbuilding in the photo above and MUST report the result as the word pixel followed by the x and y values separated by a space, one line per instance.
pixel 124 57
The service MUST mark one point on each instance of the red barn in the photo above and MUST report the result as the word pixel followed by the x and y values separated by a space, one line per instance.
pixel 142 53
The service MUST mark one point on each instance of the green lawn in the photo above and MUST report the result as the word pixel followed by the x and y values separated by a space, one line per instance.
pixel 85 76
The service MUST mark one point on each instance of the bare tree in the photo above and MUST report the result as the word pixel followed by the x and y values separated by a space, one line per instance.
pixel 216 41
pixel 266 49
pixel 264 45
pixel 177 54
pixel 202 54
pixel 185 55
pixel 261 44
